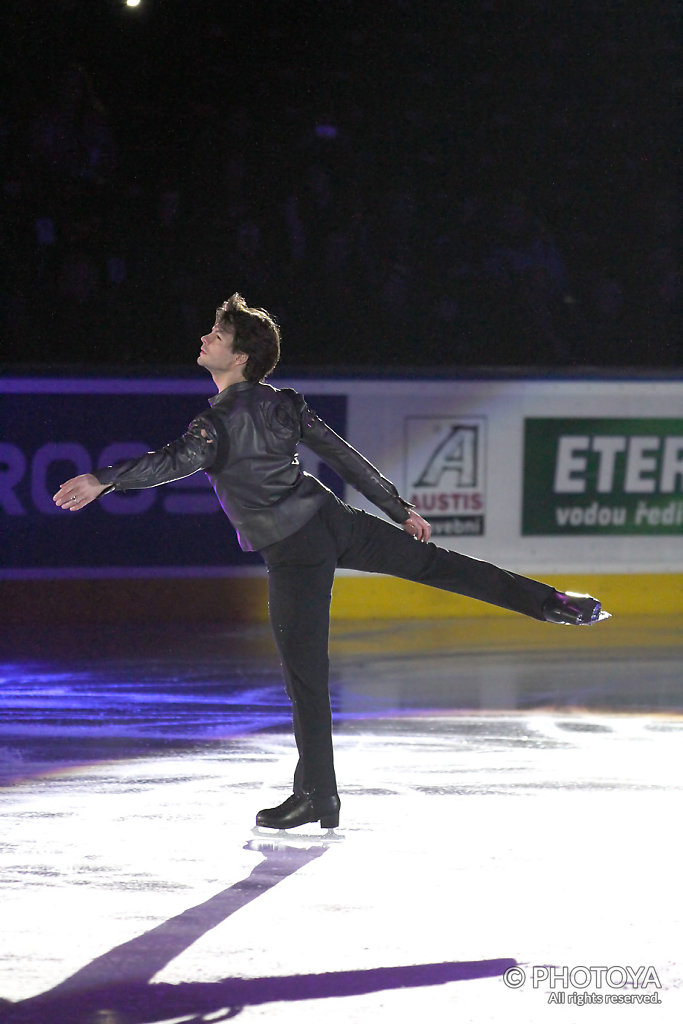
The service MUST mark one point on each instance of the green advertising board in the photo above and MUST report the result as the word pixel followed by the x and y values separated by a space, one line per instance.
pixel 603 476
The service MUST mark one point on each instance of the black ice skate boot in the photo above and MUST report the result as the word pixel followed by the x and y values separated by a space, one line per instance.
pixel 573 609
pixel 300 810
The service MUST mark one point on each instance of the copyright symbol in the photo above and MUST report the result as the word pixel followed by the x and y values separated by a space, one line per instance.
pixel 514 977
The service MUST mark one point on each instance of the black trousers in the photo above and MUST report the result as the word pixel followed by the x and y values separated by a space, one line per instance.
pixel 300 577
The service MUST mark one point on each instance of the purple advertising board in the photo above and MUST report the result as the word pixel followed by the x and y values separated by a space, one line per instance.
pixel 53 429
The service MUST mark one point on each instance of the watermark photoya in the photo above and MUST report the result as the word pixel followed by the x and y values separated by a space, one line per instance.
pixel 603 476
pixel 569 985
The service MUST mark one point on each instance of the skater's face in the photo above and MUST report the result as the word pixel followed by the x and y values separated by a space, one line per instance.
pixel 217 354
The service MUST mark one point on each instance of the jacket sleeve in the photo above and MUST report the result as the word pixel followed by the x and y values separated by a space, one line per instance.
pixel 195 450
pixel 352 467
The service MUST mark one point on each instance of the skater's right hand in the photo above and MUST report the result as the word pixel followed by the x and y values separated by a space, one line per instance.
pixel 417 527
pixel 78 492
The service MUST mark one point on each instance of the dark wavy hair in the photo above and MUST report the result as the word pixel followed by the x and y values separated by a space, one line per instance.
pixel 257 334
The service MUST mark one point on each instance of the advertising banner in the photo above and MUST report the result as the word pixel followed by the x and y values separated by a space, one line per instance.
pixel 603 476
pixel 445 472
pixel 56 429
pixel 536 475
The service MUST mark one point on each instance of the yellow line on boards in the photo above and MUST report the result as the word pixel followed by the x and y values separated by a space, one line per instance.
pixel 383 597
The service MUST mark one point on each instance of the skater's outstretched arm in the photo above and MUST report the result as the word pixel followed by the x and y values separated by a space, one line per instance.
pixel 195 450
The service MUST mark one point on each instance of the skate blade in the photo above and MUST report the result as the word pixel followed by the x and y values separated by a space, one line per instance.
pixel 601 618
pixel 284 839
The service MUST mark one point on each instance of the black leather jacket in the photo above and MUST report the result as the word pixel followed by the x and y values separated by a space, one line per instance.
pixel 246 443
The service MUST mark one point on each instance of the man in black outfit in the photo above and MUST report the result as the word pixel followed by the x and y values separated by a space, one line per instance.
pixel 246 443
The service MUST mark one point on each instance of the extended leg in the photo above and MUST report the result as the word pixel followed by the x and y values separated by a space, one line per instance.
pixel 377 546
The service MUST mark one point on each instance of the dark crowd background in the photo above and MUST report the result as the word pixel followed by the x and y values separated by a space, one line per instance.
pixel 402 183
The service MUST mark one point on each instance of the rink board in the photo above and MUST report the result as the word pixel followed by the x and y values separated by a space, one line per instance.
pixel 578 482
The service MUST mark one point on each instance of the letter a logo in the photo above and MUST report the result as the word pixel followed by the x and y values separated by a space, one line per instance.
pixel 456 454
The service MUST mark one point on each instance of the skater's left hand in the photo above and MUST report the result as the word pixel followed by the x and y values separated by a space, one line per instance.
pixel 417 527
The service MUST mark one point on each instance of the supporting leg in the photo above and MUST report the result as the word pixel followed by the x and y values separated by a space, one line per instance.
pixel 300 576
